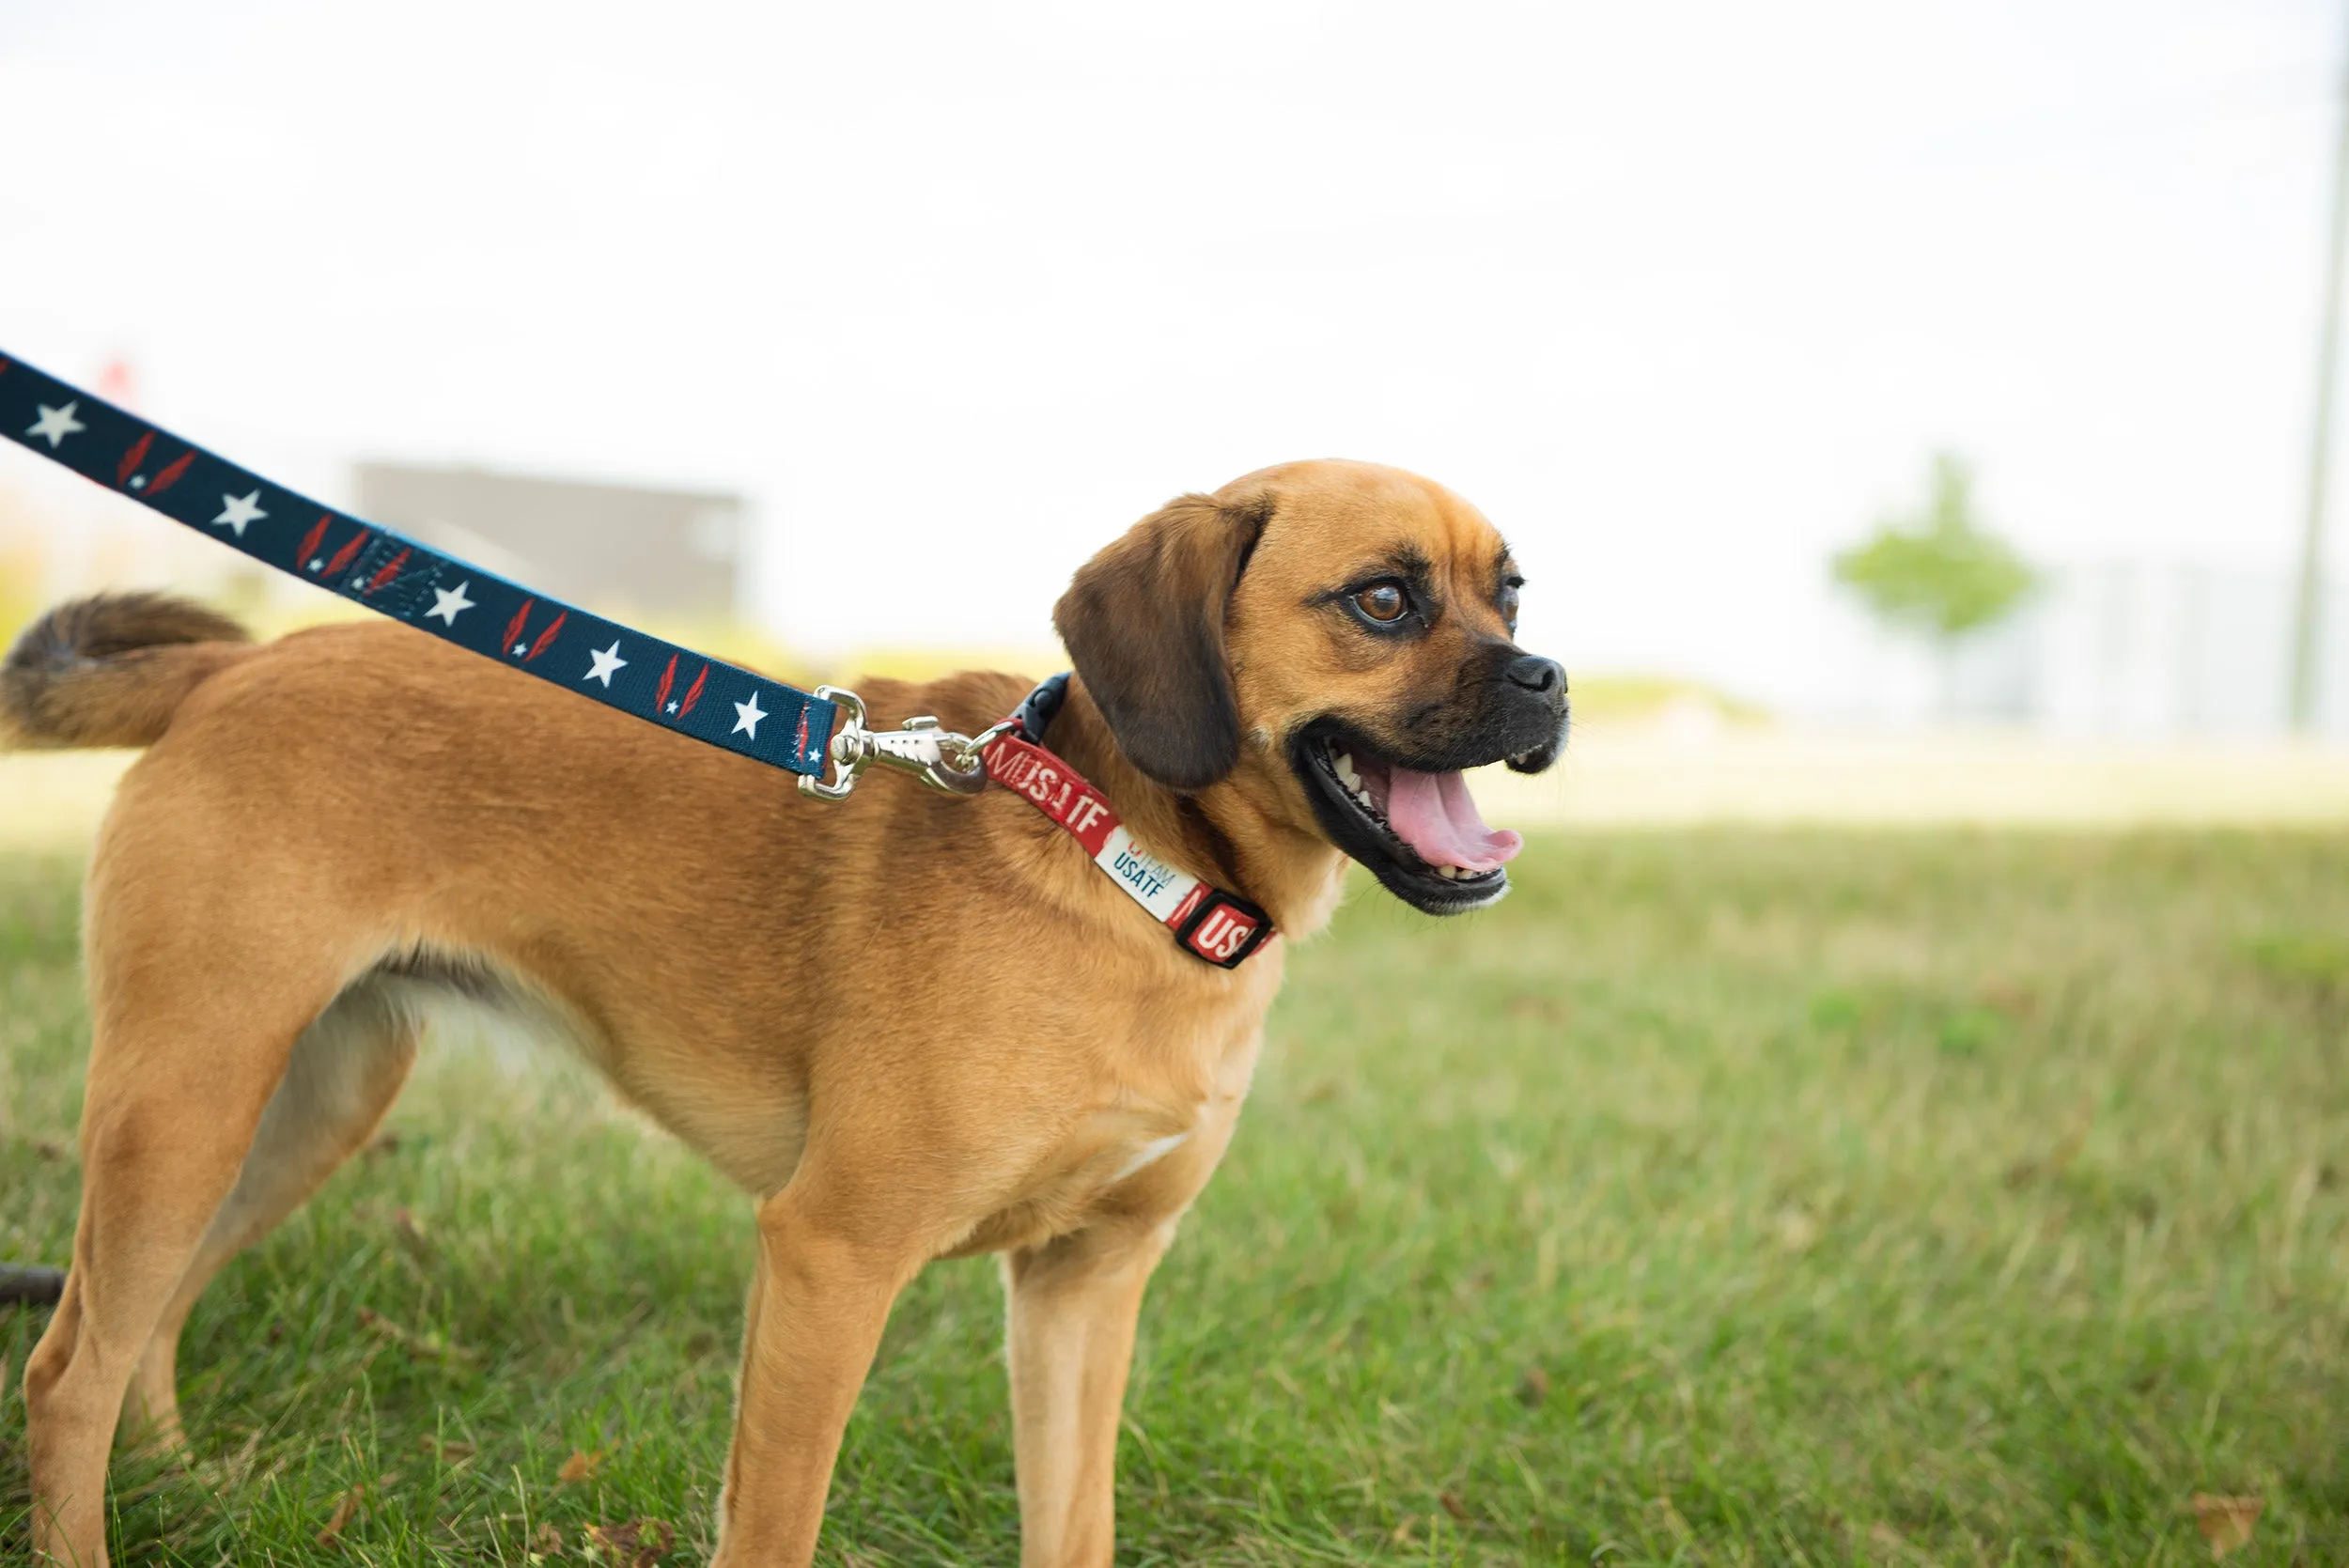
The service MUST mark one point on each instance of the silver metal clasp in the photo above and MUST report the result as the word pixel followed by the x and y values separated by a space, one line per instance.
pixel 946 761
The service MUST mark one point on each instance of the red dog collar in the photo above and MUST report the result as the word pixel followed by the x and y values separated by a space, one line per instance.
pixel 1220 928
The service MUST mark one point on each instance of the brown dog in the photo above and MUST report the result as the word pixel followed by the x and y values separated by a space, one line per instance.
pixel 335 831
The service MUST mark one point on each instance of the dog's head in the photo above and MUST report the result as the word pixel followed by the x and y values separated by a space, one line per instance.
pixel 1338 640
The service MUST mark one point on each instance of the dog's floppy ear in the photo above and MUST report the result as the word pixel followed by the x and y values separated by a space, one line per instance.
pixel 1143 620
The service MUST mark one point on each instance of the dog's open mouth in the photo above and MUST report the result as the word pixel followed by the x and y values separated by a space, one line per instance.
pixel 1418 830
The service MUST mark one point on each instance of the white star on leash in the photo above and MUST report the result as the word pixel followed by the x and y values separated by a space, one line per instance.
pixel 238 510
pixel 449 603
pixel 602 665
pixel 747 717
pixel 56 423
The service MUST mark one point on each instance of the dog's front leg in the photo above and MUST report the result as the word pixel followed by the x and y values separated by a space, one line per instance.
pixel 1073 1305
pixel 818 1301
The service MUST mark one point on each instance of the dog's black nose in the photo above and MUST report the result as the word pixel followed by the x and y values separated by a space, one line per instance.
pixel 1536 674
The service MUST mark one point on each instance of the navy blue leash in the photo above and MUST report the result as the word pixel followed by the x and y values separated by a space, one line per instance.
pixel 618 666
pixel 480 610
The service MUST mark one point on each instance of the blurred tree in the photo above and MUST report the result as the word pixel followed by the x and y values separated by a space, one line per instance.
pixel 1938 573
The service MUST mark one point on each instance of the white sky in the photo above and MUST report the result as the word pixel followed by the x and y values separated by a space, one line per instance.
pixel 1679 295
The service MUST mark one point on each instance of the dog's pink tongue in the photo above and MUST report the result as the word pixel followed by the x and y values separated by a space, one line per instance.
pixel 1433 814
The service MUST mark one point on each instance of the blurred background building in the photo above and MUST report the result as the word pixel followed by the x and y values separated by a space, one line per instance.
pixel 670 552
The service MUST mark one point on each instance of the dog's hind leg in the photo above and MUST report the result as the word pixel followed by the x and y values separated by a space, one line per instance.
pixel 346 1070
pixel 193 1023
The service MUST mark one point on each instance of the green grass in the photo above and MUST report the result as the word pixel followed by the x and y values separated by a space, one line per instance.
pixel 1722 1197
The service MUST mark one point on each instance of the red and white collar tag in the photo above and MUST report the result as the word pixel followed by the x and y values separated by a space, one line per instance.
pixel 1220 928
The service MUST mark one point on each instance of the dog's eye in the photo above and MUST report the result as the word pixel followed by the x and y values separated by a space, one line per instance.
pixel 1381 603
pixel 1509 604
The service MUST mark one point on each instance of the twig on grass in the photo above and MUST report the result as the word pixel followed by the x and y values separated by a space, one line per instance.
pixel 422 1344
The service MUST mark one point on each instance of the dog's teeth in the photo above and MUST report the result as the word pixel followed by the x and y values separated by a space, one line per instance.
pixel 1346 769
pixel 1449 873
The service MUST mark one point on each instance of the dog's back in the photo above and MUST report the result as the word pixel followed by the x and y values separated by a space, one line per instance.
pixel 357 806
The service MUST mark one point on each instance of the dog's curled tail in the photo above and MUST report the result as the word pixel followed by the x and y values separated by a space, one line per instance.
pixel 110 670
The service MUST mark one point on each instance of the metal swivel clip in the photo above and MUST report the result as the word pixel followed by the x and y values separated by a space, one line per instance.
pixel 941 758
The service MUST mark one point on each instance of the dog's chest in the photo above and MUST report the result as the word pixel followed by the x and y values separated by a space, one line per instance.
pixel 1142 1152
